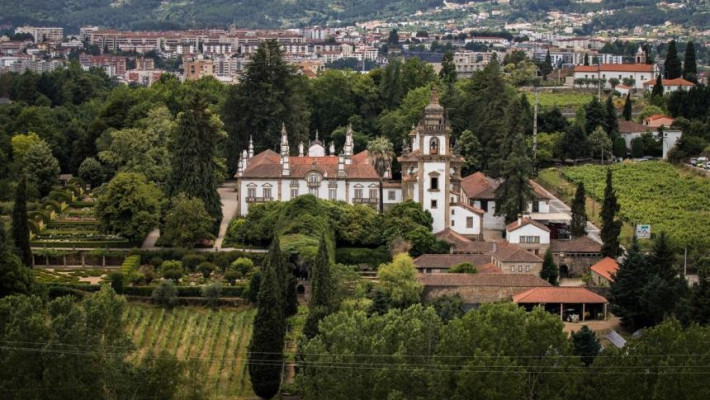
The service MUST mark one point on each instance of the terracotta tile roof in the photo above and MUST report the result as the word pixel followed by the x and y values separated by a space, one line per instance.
pixel 631 127
pixel 523 222
pixel 479 186
pixel 392 185
pixel 657 117
pixel 670 82
pixel 499 280
pixel 607 268
pixel 462 244
pixel 615 68
pixel 446 261
pixel 507 252
pixel 267 164
pixel 470 208
pixel 580 245
pixel 538 191
pixel 556 295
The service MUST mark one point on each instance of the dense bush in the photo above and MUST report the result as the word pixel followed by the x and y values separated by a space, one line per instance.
pixel 130 265
pixel 360 256
pixel 165 295
pixel 191 261
pixel 172 270
pixel 206 269
pixel 212 293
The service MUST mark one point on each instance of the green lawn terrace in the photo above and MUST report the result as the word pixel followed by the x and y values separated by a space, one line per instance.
pixel 66 220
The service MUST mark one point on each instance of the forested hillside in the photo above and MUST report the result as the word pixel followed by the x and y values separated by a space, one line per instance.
pixel 168 14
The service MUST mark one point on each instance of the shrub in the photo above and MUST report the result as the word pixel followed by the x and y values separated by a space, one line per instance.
pixel 359 256
pixel 221 260
pixel 116 279
pixel 206 268
pixel 463 268
pixel 243 266
pixel 172 270
pixel 165 295
pixel 212 293
pixel 137 278
pixel 156 261
pixel 130 264
pixel 191 261
pixel 231 276
pixel 254 284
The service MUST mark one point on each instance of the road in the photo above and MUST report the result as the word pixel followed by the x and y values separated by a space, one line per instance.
pixel 558 206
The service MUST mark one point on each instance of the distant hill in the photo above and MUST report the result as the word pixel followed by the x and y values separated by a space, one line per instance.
pixel 169 14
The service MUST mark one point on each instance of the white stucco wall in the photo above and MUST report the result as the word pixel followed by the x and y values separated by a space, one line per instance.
pixel 528 230
pixel 490 220
pixel 458 221
pixel 439 213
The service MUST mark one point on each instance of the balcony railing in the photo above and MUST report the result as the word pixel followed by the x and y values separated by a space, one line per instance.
pixel 365 200
pixel 259 199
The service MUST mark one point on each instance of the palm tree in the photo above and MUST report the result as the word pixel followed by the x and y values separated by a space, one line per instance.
pixel 381 153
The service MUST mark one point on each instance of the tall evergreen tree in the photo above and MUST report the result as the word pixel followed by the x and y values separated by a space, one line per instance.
pixel 546 66
pixel 586 345
pixel 391 88
pixel 578 227
pixel 15 278
pixel 611 120
pixel 594 115
pixel 515 192
pixel 20 228
pixel 672 67
pixel 574 142
pixel 448 68
pixel 657 87
pixel 611 226
pixel 663 259
pixel 270 93
pixel 267 341
pixel 195 157
pixel 586 59
pixel 322 298
pixel 515 122
pixel 549 271
pixel 690 66
pixel 626 291
pixel 628 107
pixel 699 300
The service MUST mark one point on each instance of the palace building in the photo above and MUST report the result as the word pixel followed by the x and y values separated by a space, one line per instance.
pixel 431 176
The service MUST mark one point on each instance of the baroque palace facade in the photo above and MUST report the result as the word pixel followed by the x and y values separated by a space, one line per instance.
pixel 431 176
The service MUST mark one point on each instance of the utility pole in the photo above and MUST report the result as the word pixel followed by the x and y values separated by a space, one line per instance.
pixel 537 101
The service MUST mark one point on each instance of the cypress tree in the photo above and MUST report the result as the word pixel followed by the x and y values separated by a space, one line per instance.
pixel 626 291
pixel 611 119
pixel 611 226
pixel 546 67
pixel 586 345
pixel 20 227
pixel 321 302
pixel 690 66
pixel 628 107
pixel 663 258
pixel 549 270
pixel 657 87
pixel 267 341
pixel 578 227
pixel 672 67
pixel 515 192
pixel 448 68
pixel 14 277
pixel 586 59
pixel 194 157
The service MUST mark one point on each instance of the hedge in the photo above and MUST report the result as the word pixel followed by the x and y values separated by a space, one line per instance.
pixel 78 290
pixel 82 204
pixel 60 196
pixel 183 291
pixel 53 205
pixel 77 181
pixel 211 256
pixel 43 215
pixel 116 244
pixel 361 255
pixel 130 264
pixel 33 226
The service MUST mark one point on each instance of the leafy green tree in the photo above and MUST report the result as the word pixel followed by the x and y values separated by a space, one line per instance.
pixel 381 154
pixel 416 73
pixel 130 206
pixel 41 167
pixel 448 68
pixel 92 172
pixel 611 225
pixel 21 143
pixel 515 192
pixel 449 307
pixel 574 142
pixel 391 87
pixel 463 268
pixel 196 166
pixel 599 142
pixel 549 271
pixel 186 222
pixel 165 295
pixel 628 104
pixel 398 281
pixel 281 99
pixel 20 227
pixel 690 66
pixel 698 309
pixel 15 278
pixel 657 88
pixel 672 66
pixel 212 293
pixel 578 226
pixel 323 286
pixel 586 345
pixel 267 341
pixel 594 116
pixel 470 149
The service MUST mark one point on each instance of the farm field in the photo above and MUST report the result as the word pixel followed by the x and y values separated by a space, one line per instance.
pixel 218 339
pixel 562 99
pixel 655 193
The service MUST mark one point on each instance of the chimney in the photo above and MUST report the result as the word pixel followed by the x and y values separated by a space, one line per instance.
pixel 300 149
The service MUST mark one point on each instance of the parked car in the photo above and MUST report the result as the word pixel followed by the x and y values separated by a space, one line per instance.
pixel 702 160
pixel 693 161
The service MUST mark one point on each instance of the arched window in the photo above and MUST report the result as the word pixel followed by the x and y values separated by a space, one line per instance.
pixel 434 146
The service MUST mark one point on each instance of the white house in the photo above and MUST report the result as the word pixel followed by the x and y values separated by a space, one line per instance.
pixel 669 85
pixel 528 234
